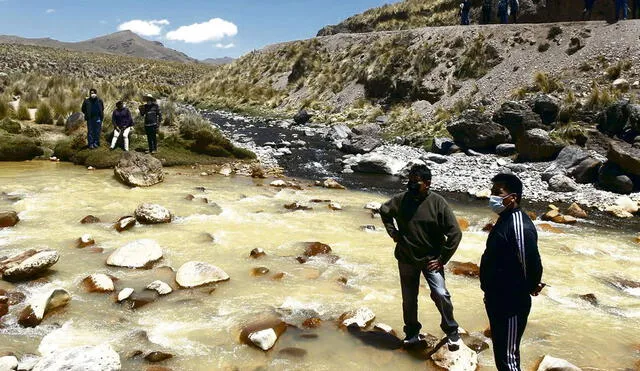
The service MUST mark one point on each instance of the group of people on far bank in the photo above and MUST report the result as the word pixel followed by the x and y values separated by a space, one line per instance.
pixel 508 9
pixel 93 110
pixel 427 234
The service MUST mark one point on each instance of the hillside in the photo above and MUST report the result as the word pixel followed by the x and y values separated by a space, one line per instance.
pixel 124 43
pixel 410 14
pixel 218 61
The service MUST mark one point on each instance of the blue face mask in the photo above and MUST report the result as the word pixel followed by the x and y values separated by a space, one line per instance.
pixel 496 204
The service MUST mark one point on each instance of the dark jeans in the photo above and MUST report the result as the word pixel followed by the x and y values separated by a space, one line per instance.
pixel 410 284
pixel 621 7
pixel 507 327
pixel 152 139
pixel 636 9
pixel 486 15
pixel 94 129
pixel 464 19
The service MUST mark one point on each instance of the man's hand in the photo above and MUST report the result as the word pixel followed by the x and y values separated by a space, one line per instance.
pixel 538 288
pixel 434 265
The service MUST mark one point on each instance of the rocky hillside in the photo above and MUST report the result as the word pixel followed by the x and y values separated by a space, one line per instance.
pixel 218 61
pixel 410 14
pixel 125 43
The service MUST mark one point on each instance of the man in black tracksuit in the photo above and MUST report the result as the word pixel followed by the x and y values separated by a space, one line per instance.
pixel 426 237
pixel 152 115
pixel 510 271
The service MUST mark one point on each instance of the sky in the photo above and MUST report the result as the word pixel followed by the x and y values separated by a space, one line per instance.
pixel 200 28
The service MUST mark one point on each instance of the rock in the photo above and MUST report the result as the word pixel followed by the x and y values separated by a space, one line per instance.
pixel 382 327
pixel 4 305
pixel 85 240
pixel 575 45
pixel 444 146
pixel 377 163
pixel 463 359
pixel 263 334
pixel 620 84
pixel 284 151
pixel 139 170
pixel 313 322
pixel 625 156
pixel 90 219
pixel 633 112
pixel 8 363
pixel 613 120
pixel 611 178
pixel 332 184
pixel 259 271
pixel 549 215
pixel 162 288
pixel 506 149
pixel 293 352
pixel 368 228
pixel 8 219
pixel 375 206
pixel 125 223
pixel 194 274
pixel 576 211
pixel 40 306
pixel 437 158
pixel 549 228
pixel 536 145
pixel 84 358
pixel 360 144
pixel 547 107
pixel 98 282
pixel 225 170
pixel 586 171
pixel 137 254
pixel 316 248
pixel 125 294
pixel 464 269
pixel 574 161
pixel 463 223
pixel 618 212
pixel 517 118
pixel 475 130
pixel 152 214
pixel 361 317
pixel 157 356
pixel 257 253
pixel 562 183
pixel 74 122
pixel 590 298
pixel 564 219
pixel 627 204
pixel 297 206
pixel 302 117
pixel 549 363
pixel 338 133
pixel 371 129
pixel 477 341
pixel 285 184
pixel 482 194
pixel 335 206
pixel 28 265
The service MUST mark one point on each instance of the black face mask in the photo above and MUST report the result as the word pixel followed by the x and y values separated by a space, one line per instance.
pixel 414 188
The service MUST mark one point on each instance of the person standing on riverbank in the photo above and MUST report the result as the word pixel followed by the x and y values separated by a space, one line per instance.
pixel 503 11
pixel 93 110
pixel 510 271
pixel 427 236
pixel 621 9
pixel 465 9
pixel 122 124
pixel 588 9
pixel 487 11
pixel 150 111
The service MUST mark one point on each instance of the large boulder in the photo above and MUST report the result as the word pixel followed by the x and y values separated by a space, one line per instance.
pixel 74 122
pixel 152 214
pixel 8 219
pixel 263 334
pixel 370 130
pixel 139 170
pixel 444 146
pixel 339 133
pixel 506 149
pixel 40 306
pixel 376 163
pixel 302 117
pixel 194 274
pixel 547 107
pixel 536 145
pixel 475 130
pixel 18 148
pixel 361 144
pixel 626 156
pixel 633 113
pixel 84 358
pixel 562 183
pixel 575 162
pixel 611 178
pixel 517 118
pixel 549 363
pixel 613 120
pixel 136 254
pixel 28 264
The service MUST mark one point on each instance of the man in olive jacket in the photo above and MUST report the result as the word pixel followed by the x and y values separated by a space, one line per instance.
pixel 427 235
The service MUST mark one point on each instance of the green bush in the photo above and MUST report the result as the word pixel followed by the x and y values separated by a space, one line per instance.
pixel 5 109
pixel 553 32
pixel 44 116
pixel 10 126
pixel 31 132
pixel 547 84
pixel 31 98
pixel 23 113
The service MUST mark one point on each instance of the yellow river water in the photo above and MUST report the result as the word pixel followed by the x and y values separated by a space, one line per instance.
pixel 201 328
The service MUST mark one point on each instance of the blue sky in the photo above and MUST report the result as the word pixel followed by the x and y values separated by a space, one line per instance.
pixel 210 28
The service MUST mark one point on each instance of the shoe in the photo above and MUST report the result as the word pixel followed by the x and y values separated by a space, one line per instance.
pixel 154 152
pixel 454 342
pixel 147 152
pixel 112 148
pixel 414 340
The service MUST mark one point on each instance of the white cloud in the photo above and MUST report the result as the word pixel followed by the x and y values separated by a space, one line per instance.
pixel 225 46
pixel 144 28
pixel 49 11
pixel 215 29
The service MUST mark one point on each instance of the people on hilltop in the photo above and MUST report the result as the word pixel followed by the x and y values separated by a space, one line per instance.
pixel 427 235
pixel 621 9
pixel 588 9
pixel 93 110
pixel 510 271
pixel 122 124
pixel 487 11
pixel 150 111
pixel 465 9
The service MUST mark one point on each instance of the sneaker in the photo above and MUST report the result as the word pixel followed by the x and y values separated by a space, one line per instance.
pixel 411 341
pixel 147 152
pixel 154 152
pixel 454 342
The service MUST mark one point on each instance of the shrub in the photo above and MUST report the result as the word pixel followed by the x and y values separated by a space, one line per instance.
pixel 547 84
pixel 23 113
pixel 44 116
pixel 5 109
pixel 31 98
pixel 553 32
pixel 10 126
pixel 613 72
pixel 477 59
pixel 18 148
pixel 543 47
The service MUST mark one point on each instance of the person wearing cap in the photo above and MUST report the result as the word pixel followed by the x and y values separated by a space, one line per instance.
pixel 93 110
pixel 150 111
pixel 122 124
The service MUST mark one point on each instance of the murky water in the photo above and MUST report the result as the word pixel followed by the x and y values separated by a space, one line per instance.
pixel 201 327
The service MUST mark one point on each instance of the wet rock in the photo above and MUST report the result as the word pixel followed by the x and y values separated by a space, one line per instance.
pixel 536 145
pixel 383 327
pixel 590 298
pixel 360 144
pixel 625 156
pixel 189 197
pixel 138 170
pixel 332 184
pixel 476 341
pixel 4 305
pixel 444 146
pixel 285 184
pixel 257 253
pixel 627 204
pixel 360 317
pixel 157 356
pixel 259 271
pixel 316 248
pixel 8 219
pixel 475 130
pixel 463 359
pixel 125 223
pixel 8 363
pixel 294 206
pixel 90 219
pixel 464 269
pixel 549 363
pixel 506 149
pixel 463 223
pixel 140 299
pixel 152 214
pixel 375 163
pixel 547 107
pixel 263 334
pixel 125 294
pixel 74 122
pixel 278 276
pixel 335 206
pixel 84 241
pixel 375 206
pixel 85 358
pixel 293 352
pixel 162 288
pixel 562 183
pixel 40 306
pixel 368 228
pixel 98 282
pixel 625 285
pixel 302 117
pixel 564 219
pixel 137 254
pixel 194 274
pixel 618 212
pixel 313 322
pixel 225 170
pixel 27 265
pixel 549 228
pixel 611 178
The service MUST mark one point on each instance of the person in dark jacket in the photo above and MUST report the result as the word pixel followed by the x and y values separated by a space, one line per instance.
pixel 503 11
pixel 465 9
pixel 621 10
pixel 514 8
pixel 487 11
pixel 150 111
pixel 510 271
pixel 93 110
pixel 122 124
pixel 427 236
pixel 588 9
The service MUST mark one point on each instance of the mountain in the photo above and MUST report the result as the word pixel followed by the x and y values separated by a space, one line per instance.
pixel 120 43
pixel 218 61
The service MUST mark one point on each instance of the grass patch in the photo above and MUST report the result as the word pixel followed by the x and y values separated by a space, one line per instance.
pixel 547 84
pixel 18 148
pixel 44 115
pixel 553 32
pixel 23 113
pixel 477 59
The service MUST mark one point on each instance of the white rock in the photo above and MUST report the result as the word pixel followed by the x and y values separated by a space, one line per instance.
pixel 136 254
pixel 375 206
pixel 8 363
pixel 125 294
pixel 162 288
pixel 620 84
pixel 27 363
pixel 278 183
pixel 99 282
pixel 193 274
pixel 549 363
pixel 264 339
pixel 86 240
pixel 361 317
pixel 85 358
pixel 32 266
pixel 225 170
pixel 40 305
pixel 383 327
pixel 335 206
pixel 152 214
pixel 463 359
pixel 627 204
